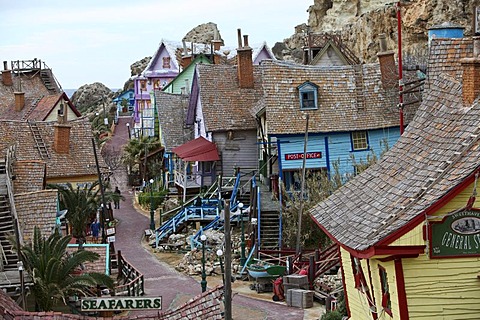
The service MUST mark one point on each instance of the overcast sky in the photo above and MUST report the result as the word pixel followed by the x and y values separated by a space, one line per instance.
pixel 88 41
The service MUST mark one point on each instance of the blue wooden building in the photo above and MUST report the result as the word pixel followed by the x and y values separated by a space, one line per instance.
pixel 353 114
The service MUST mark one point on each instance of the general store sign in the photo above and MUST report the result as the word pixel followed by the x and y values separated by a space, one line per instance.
pixel 299 155
pixel 118 304
pixel 457 235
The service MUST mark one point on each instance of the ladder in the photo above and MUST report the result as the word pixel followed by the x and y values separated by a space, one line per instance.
pixel 39 142
pixel 360 98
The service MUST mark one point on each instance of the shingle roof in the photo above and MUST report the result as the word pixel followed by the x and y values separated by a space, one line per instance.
pixel 347 99
pixel 172 110
pixel 445 56
pixel 412 176
pixel 78 162
pixel 225 105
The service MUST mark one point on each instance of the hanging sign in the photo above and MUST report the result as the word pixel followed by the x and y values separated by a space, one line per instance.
pixel 299 155
pixel 457 235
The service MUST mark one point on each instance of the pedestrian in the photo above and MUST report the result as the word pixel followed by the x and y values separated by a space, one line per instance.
pixel 95 228
pixel 116 201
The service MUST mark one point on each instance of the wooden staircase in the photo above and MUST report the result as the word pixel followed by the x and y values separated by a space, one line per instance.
pixel 8 256
pixel 48 80
pixel 39 142
pixel 269 229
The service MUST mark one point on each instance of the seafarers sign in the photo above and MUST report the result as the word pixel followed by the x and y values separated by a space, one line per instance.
pixel 299 155
pixel 125 303
pixel 457 235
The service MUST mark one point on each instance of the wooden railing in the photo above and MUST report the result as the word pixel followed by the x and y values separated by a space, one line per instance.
pixel 315 262
pixel 132 281
pixel 9 171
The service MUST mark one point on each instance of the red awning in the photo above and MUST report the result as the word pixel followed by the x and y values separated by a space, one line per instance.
pixel 199 149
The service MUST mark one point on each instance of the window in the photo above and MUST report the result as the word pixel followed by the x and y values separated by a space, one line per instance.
pixel 143 85
pixel 166 62
pixel 308 95
pixel 359 140
pixel 386 302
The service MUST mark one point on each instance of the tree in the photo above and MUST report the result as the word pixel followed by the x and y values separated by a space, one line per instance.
pixel 82 205
pixel 51 267
pixel 136 149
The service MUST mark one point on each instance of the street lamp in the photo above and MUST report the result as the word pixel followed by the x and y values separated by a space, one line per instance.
pixel 129 133
pixel 220 254
pixel 203 283
pixel 152 212
pixel 242 245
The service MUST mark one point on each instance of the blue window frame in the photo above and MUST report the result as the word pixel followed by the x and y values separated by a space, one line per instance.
pixel 308 96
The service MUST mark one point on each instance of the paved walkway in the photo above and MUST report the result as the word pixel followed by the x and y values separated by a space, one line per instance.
pixel 160 278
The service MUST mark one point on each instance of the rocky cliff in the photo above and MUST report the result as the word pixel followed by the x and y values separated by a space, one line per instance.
pixel 90 97
pixel 360 22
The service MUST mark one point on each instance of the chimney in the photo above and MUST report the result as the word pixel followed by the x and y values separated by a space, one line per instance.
pixel 61 140
pixel 244 62
pixel 217 43
pixel 61 114
pixel 19 101
pixel 186 58
pixel 388 68
pixel 6 75
pixel 471 74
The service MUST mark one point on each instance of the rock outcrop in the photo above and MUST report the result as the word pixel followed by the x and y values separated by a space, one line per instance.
pixel 360 22
pixel 203 33
pixel 89 96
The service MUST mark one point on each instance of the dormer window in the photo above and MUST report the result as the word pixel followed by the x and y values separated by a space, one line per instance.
pixel 166 62
pixel 308 95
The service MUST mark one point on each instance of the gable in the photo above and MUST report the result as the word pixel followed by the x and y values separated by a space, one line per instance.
pixel 330 55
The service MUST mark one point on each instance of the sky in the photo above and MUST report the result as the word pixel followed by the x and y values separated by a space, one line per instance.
pixel 87 41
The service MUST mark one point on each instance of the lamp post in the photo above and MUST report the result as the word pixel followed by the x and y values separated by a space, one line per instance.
pixel 22 283
pixel 203 283
pixel 220 254
pixel 129 133
pixel 152 212
pixel 242 245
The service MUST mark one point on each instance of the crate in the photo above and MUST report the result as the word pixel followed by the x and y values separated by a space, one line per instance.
pixel 288 286
pixel 295 279
pixel 299 298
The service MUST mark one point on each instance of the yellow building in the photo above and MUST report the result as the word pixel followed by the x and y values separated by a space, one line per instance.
pixel 408 228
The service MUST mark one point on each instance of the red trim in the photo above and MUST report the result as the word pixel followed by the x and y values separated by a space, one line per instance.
pixel 345 295
pixel 398 256
pixel 402 294
pixel 432 209
pixel 374 315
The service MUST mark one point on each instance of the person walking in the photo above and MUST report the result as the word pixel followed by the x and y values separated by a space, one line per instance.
pixel 116 201
pixel 95 228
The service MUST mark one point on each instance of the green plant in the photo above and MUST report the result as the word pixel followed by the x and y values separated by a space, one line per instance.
pixel 144 198
pixel 332 315
pixel 51 268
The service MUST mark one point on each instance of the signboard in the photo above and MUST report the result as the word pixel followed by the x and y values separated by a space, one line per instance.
pixel 299 155
pixel 111 239
pixel 110 231
pixel 118 304
pixel 457 235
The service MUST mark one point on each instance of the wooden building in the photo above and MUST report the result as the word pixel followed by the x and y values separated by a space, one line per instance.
pixel 409 226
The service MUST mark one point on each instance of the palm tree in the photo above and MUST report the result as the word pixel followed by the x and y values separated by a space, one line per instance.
pixel 51 266
pixel 137 149
pixel 82 205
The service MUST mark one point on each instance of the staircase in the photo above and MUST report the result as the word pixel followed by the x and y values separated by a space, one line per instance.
pixel 8 256
pixel 48 80
pixel 269 229
pixel 39 142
